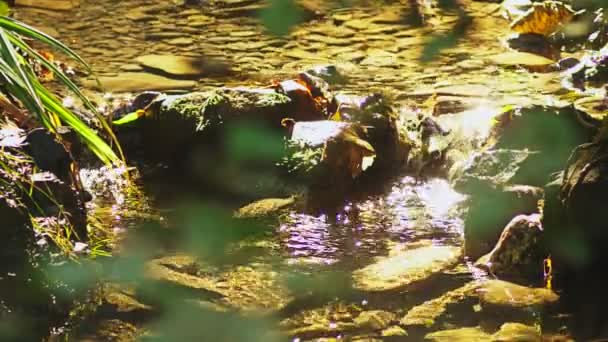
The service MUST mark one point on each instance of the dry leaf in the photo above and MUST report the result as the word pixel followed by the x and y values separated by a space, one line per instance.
pixel 543 18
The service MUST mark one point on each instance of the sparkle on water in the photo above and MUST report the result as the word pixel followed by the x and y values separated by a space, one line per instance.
pixel 410 211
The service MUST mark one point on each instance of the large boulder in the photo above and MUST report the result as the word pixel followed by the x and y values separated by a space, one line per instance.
pixel 492 209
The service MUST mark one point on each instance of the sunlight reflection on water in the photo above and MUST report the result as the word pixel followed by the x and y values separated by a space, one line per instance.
pixel 408 212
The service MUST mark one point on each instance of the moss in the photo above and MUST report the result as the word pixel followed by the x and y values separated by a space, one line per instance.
pixel 273 99
pixel 301 158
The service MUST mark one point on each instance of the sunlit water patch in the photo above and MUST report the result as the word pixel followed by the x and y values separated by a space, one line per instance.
pixel 408 212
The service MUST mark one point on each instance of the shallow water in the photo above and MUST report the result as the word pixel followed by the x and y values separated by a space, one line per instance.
pixel 407 212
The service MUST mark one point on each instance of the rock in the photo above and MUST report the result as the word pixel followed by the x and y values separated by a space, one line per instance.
pixel 490 210
pixel 374 319
pixel 265 207
pixel 329 73
pixel 157 270
pixel 460 335
pixel 425 314
pixel 535 44
pixel 139 81
pixel 517 332
pixel 489 168
pixel 526 60
pixel 394 331
pixel 496 294
pixel 590 73
pixel 404 268
pixel 120 302
pixel 62 5
pixel 173 65
pixel 392 146
pixel 575 230
pixel 518 251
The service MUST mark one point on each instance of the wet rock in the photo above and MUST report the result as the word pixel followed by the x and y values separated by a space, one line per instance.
pixel 265 207
pixel 404 268
pixel 591 72
pixel 459 335
pixel 320 153
pixel 451 104
pixel 525 60
pixel 499 294
pixel 567 63
pixel 173 65
pixel 534 43
pixel 425 314
pixel 62 5
pixel 329 73
pixel 140 81
pixel 156 270
pixel 118 301
pixel 492 209
pixel 374 320
pixel 519 250
pixel 490 168
pixel 575 230
pixel 386 136
pixel 517 332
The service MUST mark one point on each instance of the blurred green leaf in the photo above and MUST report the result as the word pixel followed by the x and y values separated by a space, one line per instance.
pixel 210 229
pixel 280 16
pixel 4 8
pixel 248 141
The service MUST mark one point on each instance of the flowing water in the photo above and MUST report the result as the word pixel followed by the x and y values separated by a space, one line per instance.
pixel 374 48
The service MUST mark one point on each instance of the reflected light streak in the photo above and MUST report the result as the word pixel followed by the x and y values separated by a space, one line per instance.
pixel 439 196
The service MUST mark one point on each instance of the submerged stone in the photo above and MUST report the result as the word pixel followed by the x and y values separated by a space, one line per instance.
pixel 265 207
pixel 140 81
pixel 425 314
pixel 524 59
pixel 404 268
pixel 173 64
pixel 503 294
pixel 460 335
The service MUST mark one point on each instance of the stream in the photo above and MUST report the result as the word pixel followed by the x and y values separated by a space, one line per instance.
pixel 377 52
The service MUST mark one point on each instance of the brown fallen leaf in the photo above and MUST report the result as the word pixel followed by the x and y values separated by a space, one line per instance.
pixel 543 18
